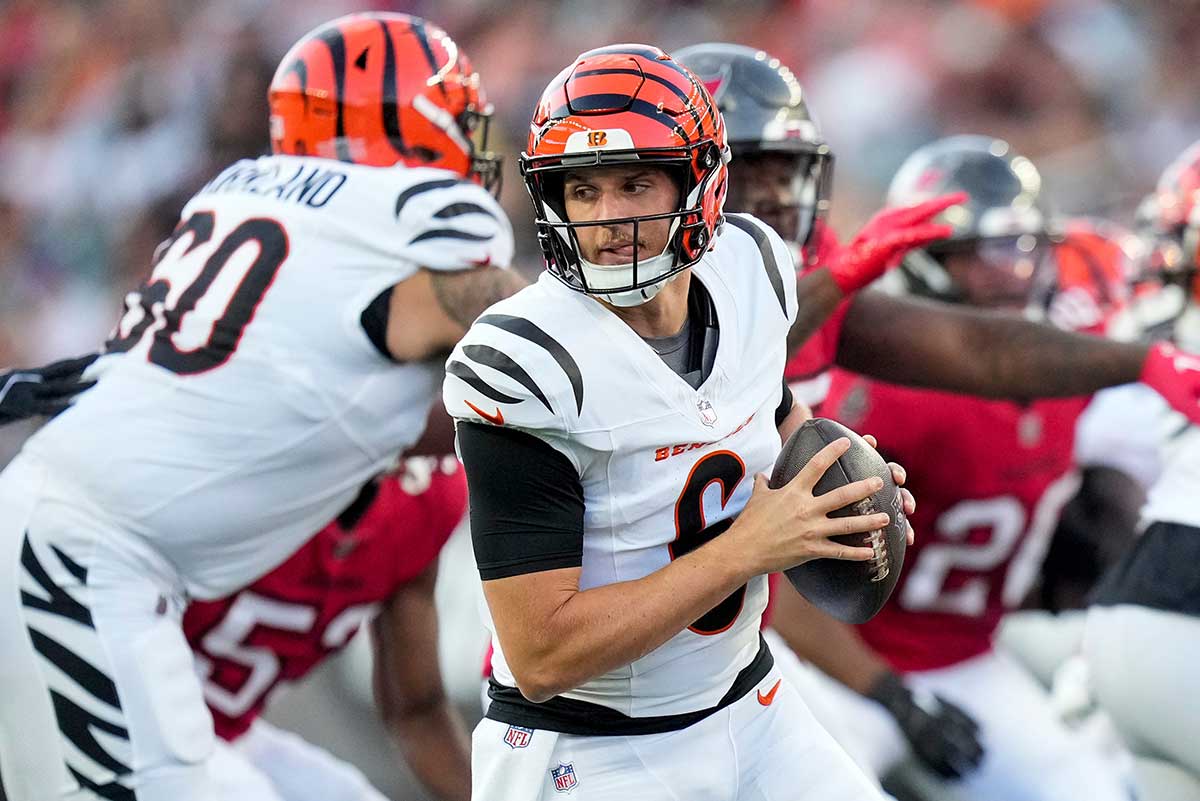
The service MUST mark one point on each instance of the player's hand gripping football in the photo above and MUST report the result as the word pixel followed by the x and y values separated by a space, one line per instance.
pixel 885 239
pixel 43 391
pixel 1174 374
pixel 899 475
pixel 942 735
pixel 781 528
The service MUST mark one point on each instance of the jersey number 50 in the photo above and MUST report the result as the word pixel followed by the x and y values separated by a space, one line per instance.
pixel 148 309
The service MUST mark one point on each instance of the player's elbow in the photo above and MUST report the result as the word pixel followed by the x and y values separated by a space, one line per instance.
pixel 539 683
pixel 542 674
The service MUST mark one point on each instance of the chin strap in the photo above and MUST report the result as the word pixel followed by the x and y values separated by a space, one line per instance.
pixel 602 276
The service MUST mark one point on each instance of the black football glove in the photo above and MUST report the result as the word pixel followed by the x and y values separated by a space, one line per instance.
pixel 44 391
pixel 942 735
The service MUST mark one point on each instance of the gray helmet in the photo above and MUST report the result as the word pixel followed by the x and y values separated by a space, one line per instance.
pixel 1004 220
pixel 765 113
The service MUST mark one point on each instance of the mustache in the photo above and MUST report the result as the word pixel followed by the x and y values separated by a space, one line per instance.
pixel 621 242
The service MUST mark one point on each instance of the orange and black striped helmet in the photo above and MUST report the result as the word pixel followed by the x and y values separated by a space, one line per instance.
pixel 382 89
pixel 1095 261
pixel 615 105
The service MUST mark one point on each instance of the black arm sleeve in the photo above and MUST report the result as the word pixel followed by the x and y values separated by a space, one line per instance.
pixel 785 405
pixel 526 502
pixel 374 321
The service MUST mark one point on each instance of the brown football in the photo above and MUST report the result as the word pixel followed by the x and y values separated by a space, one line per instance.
pixel 850 591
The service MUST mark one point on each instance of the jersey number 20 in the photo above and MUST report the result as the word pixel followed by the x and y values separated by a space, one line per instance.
pixel 148 309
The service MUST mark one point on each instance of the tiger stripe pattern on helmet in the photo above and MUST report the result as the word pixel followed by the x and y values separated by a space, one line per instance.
pixel 380 89
pixel 631 102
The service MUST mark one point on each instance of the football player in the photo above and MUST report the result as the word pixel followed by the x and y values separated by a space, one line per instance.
pixel 909 340
pixel 279 356
pixel 614 421
pixel 1142 640
pixel 376 562
pixel 993 476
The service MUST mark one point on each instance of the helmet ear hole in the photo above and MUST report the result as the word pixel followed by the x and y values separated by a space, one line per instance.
pixel 425 154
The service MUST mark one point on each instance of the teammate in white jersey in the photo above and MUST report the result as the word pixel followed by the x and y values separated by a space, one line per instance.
pixel 1142 639
pixel 281 353
pixel 614 419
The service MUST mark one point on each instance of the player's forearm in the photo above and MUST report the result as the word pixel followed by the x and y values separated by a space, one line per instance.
pixel 435 745
pixel 601 629
pixel 959 349
pixel 832 646
pixel 817 296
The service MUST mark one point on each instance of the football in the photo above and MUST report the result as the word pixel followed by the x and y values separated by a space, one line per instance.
pixel 850 591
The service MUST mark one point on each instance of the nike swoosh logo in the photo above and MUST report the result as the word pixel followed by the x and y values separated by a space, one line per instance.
pixel 497 418
pixel 766 700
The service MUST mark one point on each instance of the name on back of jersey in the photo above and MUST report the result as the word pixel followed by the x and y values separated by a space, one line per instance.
pixel 312 185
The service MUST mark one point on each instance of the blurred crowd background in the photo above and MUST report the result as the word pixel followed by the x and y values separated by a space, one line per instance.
pixel 112 112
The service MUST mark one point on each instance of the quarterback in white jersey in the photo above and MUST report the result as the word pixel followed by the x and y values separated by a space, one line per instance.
pixel 614 420
pixel 280 354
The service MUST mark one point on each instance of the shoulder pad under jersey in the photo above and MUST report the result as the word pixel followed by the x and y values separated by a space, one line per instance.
pixel 513 369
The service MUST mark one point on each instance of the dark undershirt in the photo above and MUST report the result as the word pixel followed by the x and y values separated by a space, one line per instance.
pixel 676 353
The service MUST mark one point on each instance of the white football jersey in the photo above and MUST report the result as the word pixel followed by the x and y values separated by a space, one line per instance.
pixel 1170 498
pixel 241 405
pixel 1131 428
pixel 658 460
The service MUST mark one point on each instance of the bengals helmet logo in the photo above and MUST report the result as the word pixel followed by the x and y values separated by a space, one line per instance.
pixel 597 139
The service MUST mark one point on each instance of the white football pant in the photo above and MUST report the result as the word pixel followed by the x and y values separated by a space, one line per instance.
pixel 749 751
pixel 270 764
pixel 99 692
pixel 1144 666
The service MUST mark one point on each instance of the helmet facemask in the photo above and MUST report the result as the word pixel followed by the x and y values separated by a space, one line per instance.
pixel 486 165
pixel 1016 272
pixel 788 190
pixel 639 280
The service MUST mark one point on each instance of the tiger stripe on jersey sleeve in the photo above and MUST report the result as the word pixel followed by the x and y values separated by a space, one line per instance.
pixel 446 223
pixel 509 371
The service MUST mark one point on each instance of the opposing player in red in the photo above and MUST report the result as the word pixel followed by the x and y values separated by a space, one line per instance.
pixel 781 174
pixel 376 564
pixel 993 477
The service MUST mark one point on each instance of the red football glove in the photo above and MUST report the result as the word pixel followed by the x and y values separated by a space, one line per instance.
pixel 886 238
pixel 1174 374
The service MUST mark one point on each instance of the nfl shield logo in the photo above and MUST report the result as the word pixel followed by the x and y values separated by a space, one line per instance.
pixel 564 778
pixel 708 415
pixel 518 736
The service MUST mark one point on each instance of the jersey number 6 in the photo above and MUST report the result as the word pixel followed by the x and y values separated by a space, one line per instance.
pixel 725 469
pixel 147 308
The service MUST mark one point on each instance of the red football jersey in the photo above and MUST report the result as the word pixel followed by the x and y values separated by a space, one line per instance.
pixel 283 625
pixel 990 479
